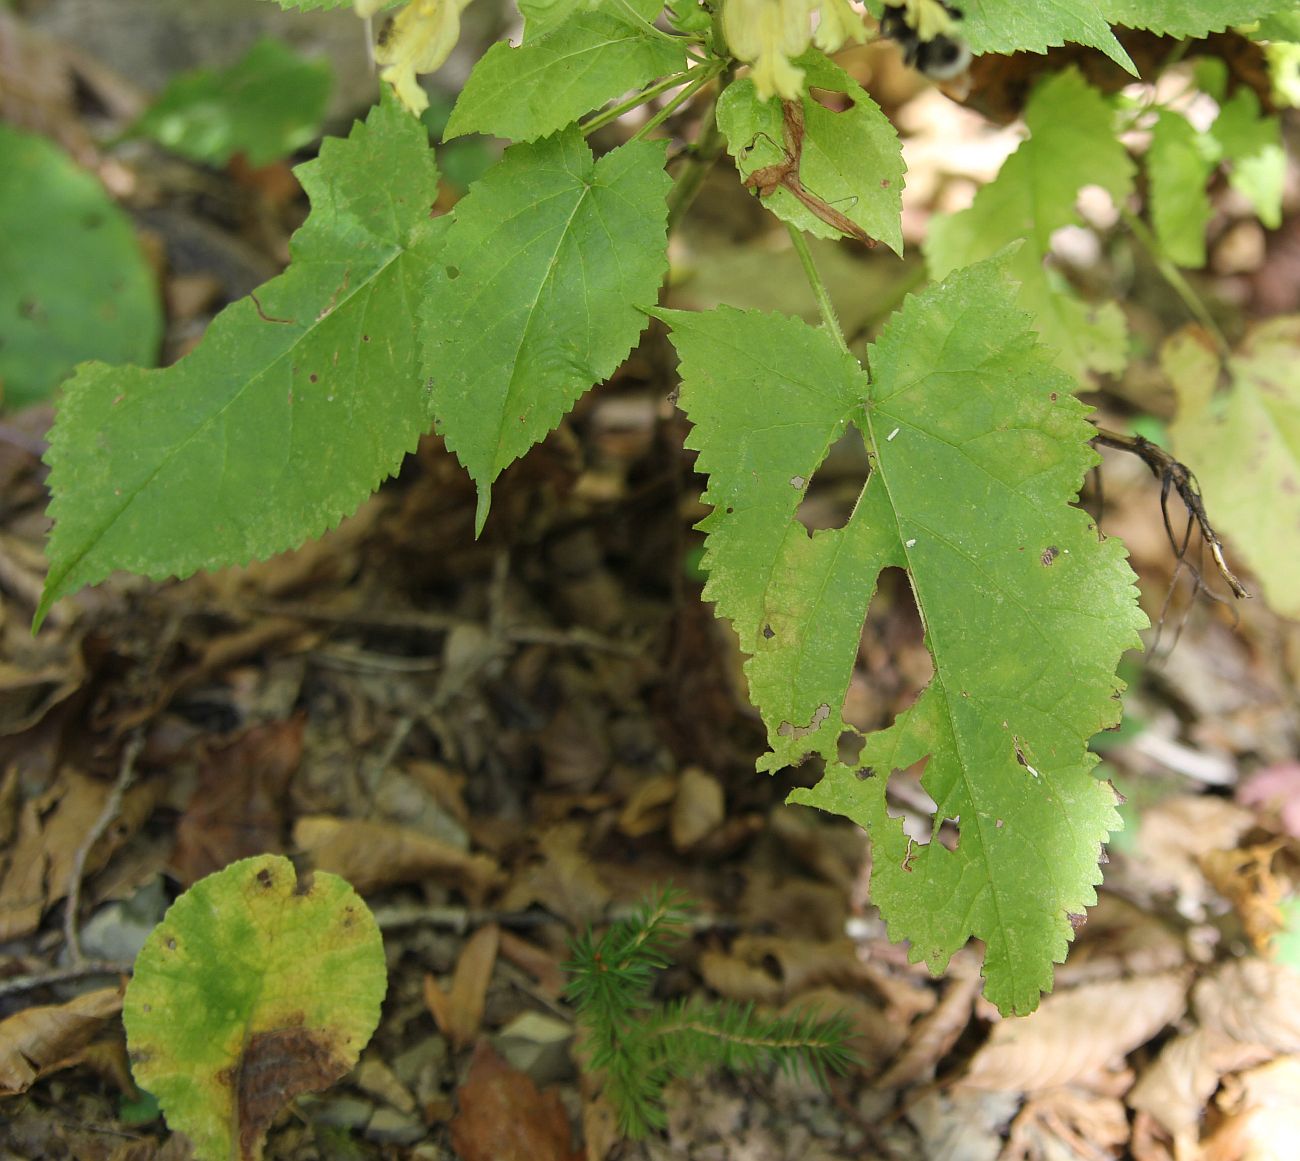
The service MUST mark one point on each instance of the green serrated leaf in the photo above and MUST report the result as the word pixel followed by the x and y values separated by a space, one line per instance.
pixel 1244 444
pixel 256 987
pixel 74 283
pixel 545 16
pixel 1006 26
pixel 977 450
pixel 545 84
pixel 1188 18
pixel 298 402
pixel 1251 145
pixel 851 160
pixel 1072 143
pixel 265 105
pixel 536 295
pixel 1178 169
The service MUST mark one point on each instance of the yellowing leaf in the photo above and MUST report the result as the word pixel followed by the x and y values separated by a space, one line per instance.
pixel 256 986
pixel 1244 445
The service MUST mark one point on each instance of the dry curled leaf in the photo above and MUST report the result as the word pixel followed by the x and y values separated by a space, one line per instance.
pixel 1075 1034
pixel 458 1011
pixel 43 1039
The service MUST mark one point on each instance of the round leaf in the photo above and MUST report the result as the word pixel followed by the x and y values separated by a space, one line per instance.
pixel 256 987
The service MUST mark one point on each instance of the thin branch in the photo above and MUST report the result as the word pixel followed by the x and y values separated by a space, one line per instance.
pixel 112 807
pixel 63 975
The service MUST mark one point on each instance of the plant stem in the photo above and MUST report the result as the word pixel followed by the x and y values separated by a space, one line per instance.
pixel 1172 275
pixel 705 75
pixel 701 160
pixel 824 303
pixel 614 112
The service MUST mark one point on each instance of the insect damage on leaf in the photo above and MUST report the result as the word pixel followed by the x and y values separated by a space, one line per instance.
pixel 977 450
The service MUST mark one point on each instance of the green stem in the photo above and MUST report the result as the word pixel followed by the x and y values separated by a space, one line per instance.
pixel 703 155
pixel 1177 282
pixel 614 112
pixel 824 303
pixel 705 76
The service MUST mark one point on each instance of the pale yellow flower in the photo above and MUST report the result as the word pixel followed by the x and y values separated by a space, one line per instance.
pixel 930 19
pixel 418 40
pixel 839 25
pixel 767 33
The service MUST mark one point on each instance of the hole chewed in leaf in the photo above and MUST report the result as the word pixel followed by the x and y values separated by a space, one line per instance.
pixel 820 715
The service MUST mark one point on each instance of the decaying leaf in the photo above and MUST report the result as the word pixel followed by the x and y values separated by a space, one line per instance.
pixel 257 986
pixel 459 1011
pixel 43 1039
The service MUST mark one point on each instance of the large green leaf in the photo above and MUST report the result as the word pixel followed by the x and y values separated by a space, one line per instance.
pixel 1178 168
pixel 1188 18
pixel 267 104
pixel 544 16
pixel 536 295
pixel 1072 143
pixel 297 403
pixel 74 283
pixel 540 87
pixel 1244 444
pixel 851 160
pixel 977 449
pixel 1251 145
pixel 1007 26
pixel 256 987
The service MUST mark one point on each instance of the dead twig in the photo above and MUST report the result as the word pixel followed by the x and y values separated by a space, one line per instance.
pixel 112 807
pixel 1176 476
pixel 60 975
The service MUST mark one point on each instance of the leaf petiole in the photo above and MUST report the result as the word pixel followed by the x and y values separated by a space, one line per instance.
pixel 614 112
pixel 820 293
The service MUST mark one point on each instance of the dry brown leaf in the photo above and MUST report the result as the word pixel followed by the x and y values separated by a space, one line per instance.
pixel 1245 878
pixel 237 808
pixel 1263 1107
pixel 539 963
pixel 1090 1127
pixel 647 806
pixel 1172 837
pixel 767 969
pixel 458 1012
pixel 566 883
pixel 503 1117
pixel 935 1033
pixel 1253 1001
pixel 1173 1091
pixel 51 829
pixel 698 809
pixel 374 854
pixel 1075 1034
pixel 41 1040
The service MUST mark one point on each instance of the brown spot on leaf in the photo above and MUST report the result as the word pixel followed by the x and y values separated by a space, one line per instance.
pixel 276 1067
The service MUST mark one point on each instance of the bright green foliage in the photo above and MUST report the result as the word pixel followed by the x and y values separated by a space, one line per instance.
pixel 540 87
pixel 1012 25
pixel 850 160
pixel 298 402
pixel 1245 445
pixel 977 448
pixel 255 987
pixel 638 1046
pixel 73 282
pixel 266 105
pixel 536 295
pixel 1251 147
pixel 1072 143
pixel 1178 168
pixel 1189 18
pixel 542 17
